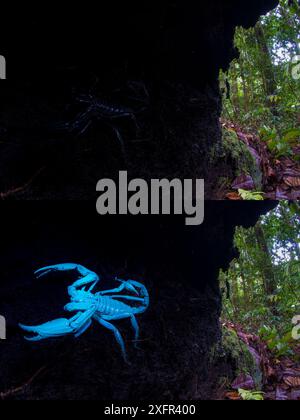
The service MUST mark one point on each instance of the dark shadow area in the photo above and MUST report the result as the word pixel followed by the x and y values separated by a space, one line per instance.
pixel 94 89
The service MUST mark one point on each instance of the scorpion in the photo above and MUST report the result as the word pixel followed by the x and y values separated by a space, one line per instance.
pixel 97 109
pixel 103 306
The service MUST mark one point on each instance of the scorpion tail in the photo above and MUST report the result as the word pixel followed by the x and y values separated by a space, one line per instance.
pixel 143 293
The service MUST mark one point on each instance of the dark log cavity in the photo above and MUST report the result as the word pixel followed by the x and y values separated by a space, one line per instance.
pixel 159 59
pixel 179 332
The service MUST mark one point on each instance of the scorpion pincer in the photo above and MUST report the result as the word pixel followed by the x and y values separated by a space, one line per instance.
pixel 102 306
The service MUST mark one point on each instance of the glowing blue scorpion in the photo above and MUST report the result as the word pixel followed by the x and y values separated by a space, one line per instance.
pixel 103 306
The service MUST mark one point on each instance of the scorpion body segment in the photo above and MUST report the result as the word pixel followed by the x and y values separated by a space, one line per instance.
pixel 104 109
pixel 103 306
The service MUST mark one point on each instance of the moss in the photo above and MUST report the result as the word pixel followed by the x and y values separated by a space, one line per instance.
pixel 235 351
pixel 235 153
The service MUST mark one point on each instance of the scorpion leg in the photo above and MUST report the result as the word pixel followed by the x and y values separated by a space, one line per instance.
pixel 136 329
pixel 93 285
pixel 120 139
pixel 84 129
pixel 117 335
pixel 131 116
pixel 67 126
pixel 137 127
pixel 82 306
pixel 83 328
pixel 89 278
pixel 133 321
pixel 81 120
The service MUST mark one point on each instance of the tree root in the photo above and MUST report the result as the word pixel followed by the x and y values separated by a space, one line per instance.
pixel 22 188
pixel 22 388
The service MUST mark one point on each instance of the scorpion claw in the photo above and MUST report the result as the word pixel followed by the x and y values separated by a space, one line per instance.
pixel 51 329
pixel 32 330
pixel 36 338
pixel 44 271
pixel 41 274
pixel 57 267
pixel 27 328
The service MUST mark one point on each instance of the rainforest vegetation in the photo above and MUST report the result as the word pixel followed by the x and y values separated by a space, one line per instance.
pixel 261 299
pixel 261 107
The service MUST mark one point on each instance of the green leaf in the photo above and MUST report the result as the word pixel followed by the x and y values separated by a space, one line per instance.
pixel 251 195
pixel 251 395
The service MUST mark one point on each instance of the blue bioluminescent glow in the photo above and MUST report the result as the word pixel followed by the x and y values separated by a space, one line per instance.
pixel 103 306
